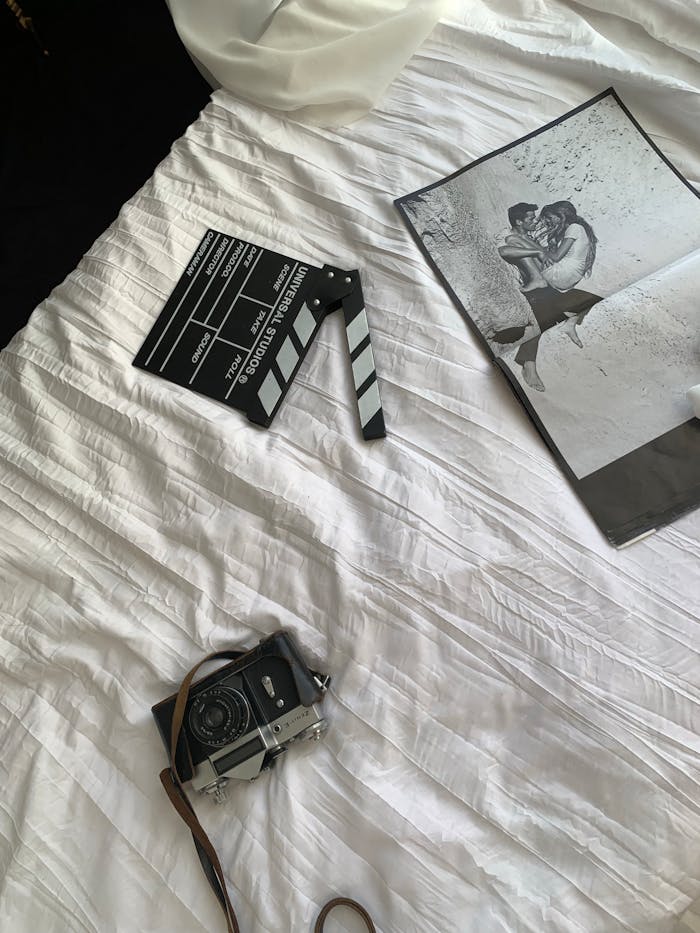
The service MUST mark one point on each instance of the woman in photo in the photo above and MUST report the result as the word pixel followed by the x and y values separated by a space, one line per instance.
pixel 571 246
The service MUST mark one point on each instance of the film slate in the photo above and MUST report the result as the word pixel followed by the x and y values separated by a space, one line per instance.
pixel 240 321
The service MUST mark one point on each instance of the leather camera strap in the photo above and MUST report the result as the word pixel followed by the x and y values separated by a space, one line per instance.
pixel 170 779
pixel 343 902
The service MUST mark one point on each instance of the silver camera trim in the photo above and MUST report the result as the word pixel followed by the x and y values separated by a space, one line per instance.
pixel 281 731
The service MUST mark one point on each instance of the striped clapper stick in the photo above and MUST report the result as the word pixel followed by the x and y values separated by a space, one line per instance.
pixel 364 373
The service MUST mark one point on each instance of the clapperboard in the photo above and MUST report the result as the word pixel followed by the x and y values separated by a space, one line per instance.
pixel 241 319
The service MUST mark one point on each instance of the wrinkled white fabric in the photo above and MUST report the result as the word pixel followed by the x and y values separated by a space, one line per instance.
pixel 326 61
pixel 515 707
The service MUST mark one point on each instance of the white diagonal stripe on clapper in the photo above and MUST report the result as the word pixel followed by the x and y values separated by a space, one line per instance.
pixel 269 392
pixel 363 367
pixel 287 358
pixel 304 325
pixel 357 330
pixel 369 404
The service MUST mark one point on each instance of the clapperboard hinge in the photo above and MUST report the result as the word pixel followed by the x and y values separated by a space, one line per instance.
pixel 335 289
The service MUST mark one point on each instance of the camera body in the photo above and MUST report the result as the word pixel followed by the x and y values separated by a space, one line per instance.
pixel 242 717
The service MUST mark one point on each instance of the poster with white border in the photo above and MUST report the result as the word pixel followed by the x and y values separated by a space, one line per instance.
pixel 574 253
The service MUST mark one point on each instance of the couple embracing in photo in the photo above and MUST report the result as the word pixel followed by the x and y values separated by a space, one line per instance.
pixel 552 252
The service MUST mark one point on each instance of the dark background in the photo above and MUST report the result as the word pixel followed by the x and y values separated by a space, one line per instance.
pixel 82 129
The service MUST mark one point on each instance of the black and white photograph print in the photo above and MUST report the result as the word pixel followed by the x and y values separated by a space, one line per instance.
pixel 574 253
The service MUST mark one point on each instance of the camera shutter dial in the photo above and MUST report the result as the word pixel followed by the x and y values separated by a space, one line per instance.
pixel 219 716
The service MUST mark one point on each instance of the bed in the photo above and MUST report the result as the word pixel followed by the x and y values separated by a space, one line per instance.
pixel 513 741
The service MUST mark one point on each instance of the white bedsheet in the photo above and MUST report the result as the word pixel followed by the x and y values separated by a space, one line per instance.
pixel 514 709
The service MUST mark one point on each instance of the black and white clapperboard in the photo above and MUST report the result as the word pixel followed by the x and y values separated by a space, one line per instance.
pixel 240 321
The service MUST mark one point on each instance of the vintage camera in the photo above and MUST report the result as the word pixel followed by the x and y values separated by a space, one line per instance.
pixel 239 719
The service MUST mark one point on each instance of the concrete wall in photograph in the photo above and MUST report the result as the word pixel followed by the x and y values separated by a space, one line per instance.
pixel 451 224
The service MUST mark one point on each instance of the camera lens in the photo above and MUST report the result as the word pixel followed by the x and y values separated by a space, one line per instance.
pixel 213 717
pixel 219 716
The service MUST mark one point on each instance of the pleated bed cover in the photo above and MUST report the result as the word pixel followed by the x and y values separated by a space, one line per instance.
pixel 513 740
